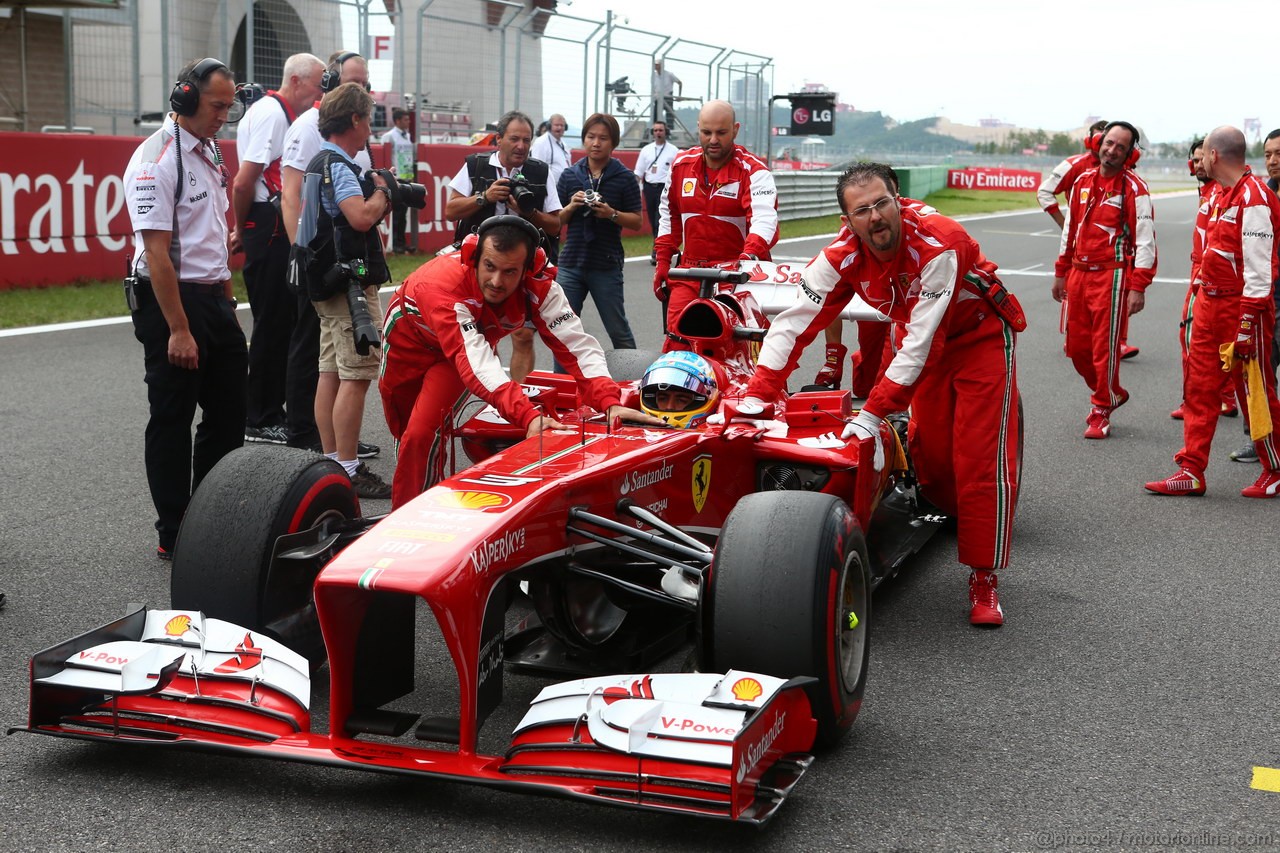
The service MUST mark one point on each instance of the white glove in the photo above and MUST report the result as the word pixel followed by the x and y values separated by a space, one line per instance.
pixel 867 425
pixel 747 407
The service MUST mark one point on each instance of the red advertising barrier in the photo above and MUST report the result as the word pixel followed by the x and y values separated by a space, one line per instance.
pixel 62 214
pixel 1014 180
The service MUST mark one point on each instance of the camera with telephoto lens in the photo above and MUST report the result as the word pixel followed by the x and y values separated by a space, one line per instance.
pixel 348 277
pixel 403 192
pixel 522 193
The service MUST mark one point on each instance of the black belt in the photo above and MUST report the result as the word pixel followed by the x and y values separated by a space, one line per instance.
pixel 199 287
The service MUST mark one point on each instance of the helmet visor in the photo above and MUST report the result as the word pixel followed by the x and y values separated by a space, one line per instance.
pixel 665 378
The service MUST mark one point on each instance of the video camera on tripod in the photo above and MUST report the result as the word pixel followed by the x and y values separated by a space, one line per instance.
pixel 620 88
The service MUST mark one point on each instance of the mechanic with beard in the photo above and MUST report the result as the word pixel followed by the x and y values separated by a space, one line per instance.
pixel 954 369
pixel 440 345
pixel 1234 319
pixel 180 294
pixel 483 188
pixel 1106 260
pixel 720 204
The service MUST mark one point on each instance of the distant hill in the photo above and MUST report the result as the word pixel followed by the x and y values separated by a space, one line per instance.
pixel 860 131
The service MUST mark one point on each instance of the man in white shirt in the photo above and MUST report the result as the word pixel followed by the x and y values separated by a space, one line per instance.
pixel 301 144
pixel 179 294
pixel 404 162
pixel 261 234
pixel 550 149
pixel 652 167
pixel 663 81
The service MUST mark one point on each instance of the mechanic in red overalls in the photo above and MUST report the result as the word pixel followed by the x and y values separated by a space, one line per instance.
pixel 1233 307
pixel 954 369
pixel 719 203
pixel 1106 259
pixel 442 327
pixel 1195 165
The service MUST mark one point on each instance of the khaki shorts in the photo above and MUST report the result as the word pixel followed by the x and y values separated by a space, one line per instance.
pixel 338 347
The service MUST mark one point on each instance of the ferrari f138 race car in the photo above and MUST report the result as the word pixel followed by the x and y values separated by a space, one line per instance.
pixel 744 553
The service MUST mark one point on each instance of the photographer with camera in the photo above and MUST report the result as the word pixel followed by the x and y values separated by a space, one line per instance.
pixel 603 199
pixel 507 181
pixel 344 275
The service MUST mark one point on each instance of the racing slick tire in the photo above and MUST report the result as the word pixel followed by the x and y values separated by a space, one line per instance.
pixel 626 365
pixel 789 594
pixel 222 563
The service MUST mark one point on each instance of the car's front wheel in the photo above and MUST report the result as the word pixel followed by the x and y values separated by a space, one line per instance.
pixel 223 564
pixel 789 594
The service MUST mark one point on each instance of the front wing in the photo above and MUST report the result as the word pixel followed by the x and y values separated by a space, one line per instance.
pixel 730 746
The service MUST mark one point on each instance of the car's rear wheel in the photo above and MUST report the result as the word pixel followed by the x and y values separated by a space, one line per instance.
pixel 789 594
pixel 222 563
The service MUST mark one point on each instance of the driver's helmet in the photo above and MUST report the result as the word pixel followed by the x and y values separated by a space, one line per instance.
pixel 680 388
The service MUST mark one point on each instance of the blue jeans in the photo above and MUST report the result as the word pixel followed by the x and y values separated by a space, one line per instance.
pixel 605 287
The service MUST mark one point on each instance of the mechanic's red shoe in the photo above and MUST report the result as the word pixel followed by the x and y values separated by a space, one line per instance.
pixel 1127 351
pixel 1178 413
pixel 1229 408
pixel 1185 482
pixel 984 603
pixel 163 553
pixel 1267 486
pixel 1098 424
pixel 833 369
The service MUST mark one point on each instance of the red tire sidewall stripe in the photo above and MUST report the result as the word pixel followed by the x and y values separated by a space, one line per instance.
pixel 312 494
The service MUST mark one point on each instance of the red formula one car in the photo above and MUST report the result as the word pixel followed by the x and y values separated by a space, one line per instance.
pixel 608 556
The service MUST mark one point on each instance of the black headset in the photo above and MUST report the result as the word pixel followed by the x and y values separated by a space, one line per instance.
pixel 1134 150
pixel 185 97
pixel 526 228
pixel 332 76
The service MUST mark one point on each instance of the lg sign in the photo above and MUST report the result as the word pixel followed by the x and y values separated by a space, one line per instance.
pixel 802 116
pixel 812 115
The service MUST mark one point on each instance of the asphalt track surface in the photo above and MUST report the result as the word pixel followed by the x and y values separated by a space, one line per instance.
pixel 1124 705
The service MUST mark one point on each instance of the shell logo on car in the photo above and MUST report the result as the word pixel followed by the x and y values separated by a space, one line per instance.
pixel 746 689
pixel 482 501
pixel 177 626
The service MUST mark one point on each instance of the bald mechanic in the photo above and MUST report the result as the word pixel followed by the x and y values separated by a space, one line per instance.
pixel 442 330
pixel 719 204
pixel 954 370
pixel 1233 308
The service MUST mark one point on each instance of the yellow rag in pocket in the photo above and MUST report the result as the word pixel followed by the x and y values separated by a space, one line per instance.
pixel 1259 412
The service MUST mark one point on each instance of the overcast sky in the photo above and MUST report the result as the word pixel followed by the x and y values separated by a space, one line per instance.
pixel 1031 63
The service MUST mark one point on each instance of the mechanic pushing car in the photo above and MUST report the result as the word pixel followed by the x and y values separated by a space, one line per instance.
pixel 954 369
pixel 442 329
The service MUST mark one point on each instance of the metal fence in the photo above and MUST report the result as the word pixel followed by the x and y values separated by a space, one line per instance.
pixel 118 65
pixel 463 62
pixel 528 56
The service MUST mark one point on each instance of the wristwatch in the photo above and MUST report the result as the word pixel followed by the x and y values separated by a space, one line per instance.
pixel 386 191
pixel 614 218
pixel 479 199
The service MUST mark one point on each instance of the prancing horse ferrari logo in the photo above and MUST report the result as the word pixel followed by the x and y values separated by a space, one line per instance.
pixel 701 480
